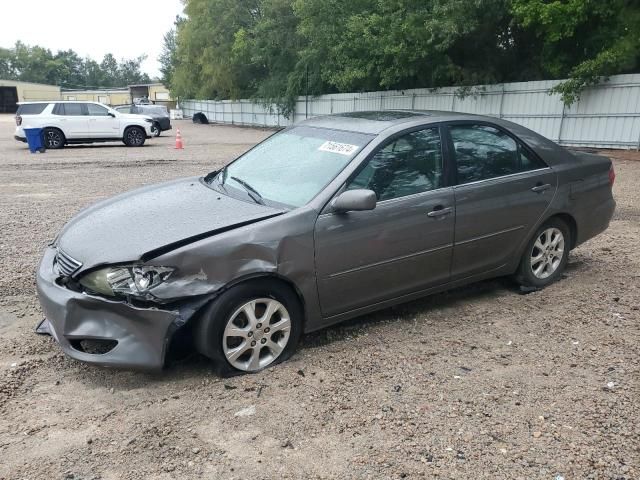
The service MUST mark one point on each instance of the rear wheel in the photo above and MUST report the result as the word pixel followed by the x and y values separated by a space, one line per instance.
pixel 53 138
pixel 134 137
pixel 546 255
pixel 251 326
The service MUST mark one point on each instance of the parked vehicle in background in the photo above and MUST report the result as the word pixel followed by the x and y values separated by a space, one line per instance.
pixel 331 218
pixel 67 122
pixel 159 114
pixel 142 101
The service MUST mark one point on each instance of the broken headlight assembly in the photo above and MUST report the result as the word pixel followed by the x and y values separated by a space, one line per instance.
pixel 126 281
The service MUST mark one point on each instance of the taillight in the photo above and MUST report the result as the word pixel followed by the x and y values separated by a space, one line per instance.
pixel 18 120
pixel 612 176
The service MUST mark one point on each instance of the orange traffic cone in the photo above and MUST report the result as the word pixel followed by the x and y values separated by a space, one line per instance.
pixel 179 145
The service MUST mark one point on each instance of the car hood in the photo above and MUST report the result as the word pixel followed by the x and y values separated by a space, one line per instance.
pixel 131 226
pixel 134 116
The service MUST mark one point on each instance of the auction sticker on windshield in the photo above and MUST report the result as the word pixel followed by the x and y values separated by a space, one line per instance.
pixel 335 147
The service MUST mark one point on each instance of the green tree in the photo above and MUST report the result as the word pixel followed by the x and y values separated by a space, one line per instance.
pixel 205 66
pixel 169 56
pixel 269 48
pixel 129 72
pixel 7 69
pixel 111 71
pixel 584 40
pixel 275 50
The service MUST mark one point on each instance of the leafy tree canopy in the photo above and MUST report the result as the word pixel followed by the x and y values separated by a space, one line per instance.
pixel 275 50
pixel 67 69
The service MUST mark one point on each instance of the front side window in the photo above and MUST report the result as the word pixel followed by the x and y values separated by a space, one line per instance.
pixel 409 165
pixel 483 152
pixel 291 167
pixel 97 110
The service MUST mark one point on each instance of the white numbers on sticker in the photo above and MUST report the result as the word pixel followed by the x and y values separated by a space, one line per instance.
pixel 340 148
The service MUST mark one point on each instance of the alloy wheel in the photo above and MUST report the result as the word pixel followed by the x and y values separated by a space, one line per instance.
pixel 53 139
pixel 547 253
pixel 135 137
pixel 256 334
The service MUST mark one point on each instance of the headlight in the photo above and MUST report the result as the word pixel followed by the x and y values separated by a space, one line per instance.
pixel 135 280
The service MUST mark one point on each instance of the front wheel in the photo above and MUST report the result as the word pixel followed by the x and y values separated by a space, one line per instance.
pixel 134 137
pixel 546 255
pixel 251 326
pixel 156 129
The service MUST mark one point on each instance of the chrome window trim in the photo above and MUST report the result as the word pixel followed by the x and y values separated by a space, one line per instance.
pixel 501 177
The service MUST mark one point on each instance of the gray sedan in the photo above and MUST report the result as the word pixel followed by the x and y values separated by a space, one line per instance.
pixel 326 220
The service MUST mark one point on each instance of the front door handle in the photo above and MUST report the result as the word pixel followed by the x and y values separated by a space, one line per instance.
pixel 539 188
pixel 439 211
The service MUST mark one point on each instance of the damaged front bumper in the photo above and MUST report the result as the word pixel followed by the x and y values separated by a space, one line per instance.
pixel 133 337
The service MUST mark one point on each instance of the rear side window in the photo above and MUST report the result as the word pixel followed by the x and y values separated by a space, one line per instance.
pixel 31 108
pixel 483 152
pixel 70 109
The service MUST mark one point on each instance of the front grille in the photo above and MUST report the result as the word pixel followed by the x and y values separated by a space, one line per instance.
pixel 67 265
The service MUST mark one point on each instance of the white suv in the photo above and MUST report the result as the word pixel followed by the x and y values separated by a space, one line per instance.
pixel 81 122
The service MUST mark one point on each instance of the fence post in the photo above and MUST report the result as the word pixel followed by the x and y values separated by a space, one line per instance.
pixel 561 122
pixel 381 102
pixel 413 101
pixel 501 100
pixel 453 101
pixel 241 117
pixel 331 108
pixel 354 103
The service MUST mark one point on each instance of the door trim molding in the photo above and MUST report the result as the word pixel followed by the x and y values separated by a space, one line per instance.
pixel 489 235
pixel 390 260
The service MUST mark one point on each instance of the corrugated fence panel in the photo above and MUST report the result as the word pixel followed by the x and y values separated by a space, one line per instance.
pixel 606 116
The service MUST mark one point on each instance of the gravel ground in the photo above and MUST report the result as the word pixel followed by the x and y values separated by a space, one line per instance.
pixel 478 382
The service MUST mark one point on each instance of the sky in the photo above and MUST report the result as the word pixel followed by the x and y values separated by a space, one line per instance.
pixel 126 28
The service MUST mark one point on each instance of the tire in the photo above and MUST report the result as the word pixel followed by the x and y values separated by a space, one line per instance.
pixel 157 131
pixel 546 255
pixel 259 344
pixel 200 118
pixel 134 137
pixel 53 138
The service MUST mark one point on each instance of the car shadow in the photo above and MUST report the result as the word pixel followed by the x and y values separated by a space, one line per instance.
pixel 196 366
pixel 115 144
pixel 406 312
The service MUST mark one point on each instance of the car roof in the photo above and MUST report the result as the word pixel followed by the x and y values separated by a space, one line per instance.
pixel 376 121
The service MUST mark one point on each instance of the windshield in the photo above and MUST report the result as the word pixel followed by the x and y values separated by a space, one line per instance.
pixel 293 166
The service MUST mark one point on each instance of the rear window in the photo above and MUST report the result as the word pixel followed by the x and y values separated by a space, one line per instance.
pixel 31 108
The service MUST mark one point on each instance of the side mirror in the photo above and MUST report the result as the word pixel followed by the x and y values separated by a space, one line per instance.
pixel 111 114
pixel 354 200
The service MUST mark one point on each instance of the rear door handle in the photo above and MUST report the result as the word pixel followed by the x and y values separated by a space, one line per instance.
pixel 439 211
pixel 541 188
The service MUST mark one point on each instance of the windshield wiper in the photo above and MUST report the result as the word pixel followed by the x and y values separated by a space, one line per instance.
pixel 253 193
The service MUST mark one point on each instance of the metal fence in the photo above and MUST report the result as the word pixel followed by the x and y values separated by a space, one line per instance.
pixel 606 116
